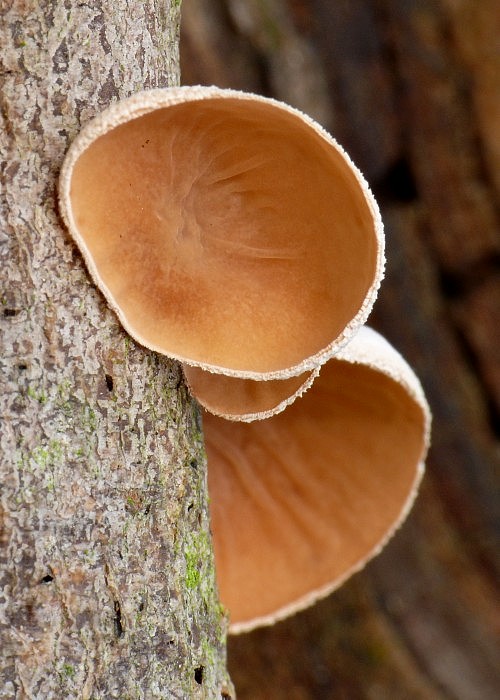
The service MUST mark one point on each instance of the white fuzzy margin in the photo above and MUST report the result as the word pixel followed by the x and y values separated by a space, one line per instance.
pixel 372 350
pixel 260 415
pixel 150 100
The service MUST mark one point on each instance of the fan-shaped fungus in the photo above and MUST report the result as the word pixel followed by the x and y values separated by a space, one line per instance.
pixel 246 400
pixel 233 233
pixel 304 499
pixel 226 230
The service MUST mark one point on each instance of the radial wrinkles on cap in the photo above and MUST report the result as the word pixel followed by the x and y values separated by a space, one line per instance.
pixel 304 499
pixel 226 230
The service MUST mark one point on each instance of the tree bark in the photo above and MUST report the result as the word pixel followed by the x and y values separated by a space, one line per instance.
pixel 107 585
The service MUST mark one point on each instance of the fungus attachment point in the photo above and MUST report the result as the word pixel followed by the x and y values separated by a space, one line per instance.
pixel 226 230
pixel 246 400
pixel 304 499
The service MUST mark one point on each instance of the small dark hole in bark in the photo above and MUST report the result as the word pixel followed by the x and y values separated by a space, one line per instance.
pixel 10 312
pixel 190 506
pixel 193 463
pixel 141 606
pixel 109 382
pixel 119 631
pixel 29 611
pixel 22 366
pixel 198 674
pixel 47 579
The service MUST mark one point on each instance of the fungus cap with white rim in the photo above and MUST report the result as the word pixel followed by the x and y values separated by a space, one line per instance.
pixel 301 501
pixel 238 399
pixel 226 230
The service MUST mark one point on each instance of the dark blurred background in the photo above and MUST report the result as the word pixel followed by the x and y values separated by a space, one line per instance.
pixel 411 89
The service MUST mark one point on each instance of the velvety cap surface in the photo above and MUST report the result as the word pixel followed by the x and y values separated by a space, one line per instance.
pixel 302 500
pixel 234 398
pixel 226 230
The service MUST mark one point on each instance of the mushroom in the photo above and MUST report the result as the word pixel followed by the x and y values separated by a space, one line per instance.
pixel 231 232
pixel 226 230
pixel 246 400
pixel 304 499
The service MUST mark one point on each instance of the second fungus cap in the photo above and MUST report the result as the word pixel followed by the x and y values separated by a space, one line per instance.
pixel 302 500
pixel 226 230
pixel 234 398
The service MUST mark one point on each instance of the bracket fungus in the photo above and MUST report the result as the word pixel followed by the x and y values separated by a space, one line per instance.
pixel 231 232
pixel 246 400
pixel 227 230
pixel 302 500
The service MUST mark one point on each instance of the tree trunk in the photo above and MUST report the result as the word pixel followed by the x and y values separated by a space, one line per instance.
pixel 107 585
pixel 411 89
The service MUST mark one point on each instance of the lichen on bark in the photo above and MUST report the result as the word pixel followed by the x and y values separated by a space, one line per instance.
pixel 107 587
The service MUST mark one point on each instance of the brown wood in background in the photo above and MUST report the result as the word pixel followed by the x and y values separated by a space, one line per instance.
pixel 412 91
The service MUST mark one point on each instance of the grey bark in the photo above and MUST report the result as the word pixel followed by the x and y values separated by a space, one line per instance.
pixel 107 585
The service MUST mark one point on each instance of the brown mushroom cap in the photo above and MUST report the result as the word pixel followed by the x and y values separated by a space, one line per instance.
pixel 226 230
pixel 234 398
pixel 304 499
